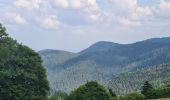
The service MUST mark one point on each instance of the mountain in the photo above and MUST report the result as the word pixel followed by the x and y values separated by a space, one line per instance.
pixel 133 81
pixel 159 40
pixel 51 58
pixel 100 46
pixel 101 61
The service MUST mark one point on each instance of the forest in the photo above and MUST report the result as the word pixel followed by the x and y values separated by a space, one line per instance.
pixel 24 76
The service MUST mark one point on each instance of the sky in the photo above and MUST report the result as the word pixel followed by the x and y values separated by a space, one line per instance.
pixel 73 25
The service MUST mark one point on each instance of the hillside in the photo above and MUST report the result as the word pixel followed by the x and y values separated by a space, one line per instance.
pixel 133 81
pixel 51 58
pixel 100 46
pixel 102 61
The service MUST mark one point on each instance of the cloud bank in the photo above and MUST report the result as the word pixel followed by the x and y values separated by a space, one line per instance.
pixel 80 23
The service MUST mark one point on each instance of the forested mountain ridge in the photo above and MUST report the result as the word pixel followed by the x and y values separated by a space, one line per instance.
pixel 100 46
pixel 103 60
pixel 128 82
pixel 51 58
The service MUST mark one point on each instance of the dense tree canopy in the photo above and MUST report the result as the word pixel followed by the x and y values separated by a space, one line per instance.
pixel 2 31
pixel 160 92
pixel 22 76
pixel 90 91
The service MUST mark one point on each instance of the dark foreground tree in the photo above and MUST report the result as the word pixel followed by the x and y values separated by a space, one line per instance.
pixel 111 92
pixel 160 92
pixel 147 87
pixel 3 31
pixel 90 91
pixel 22 76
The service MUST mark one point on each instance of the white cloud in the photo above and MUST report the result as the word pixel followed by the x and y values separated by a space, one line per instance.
pixel 164 5
pixel 74 4
pixel 49 21
pixel 61 3
pixel 124 12
pixel 94 17
pixel 89 8
pixel 104 19
pixel 15 18
pixel 92 2
pixel 128 23
pixel 140 13
pixel 28 4
pixel 123 6
pixel 144 11
pixel 128 13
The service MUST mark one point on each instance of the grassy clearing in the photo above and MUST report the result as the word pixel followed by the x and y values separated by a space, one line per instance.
pixel 162 99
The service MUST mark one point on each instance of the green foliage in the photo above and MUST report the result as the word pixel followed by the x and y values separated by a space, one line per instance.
pixel 146 88
pixel 3 31
pixel 161 92
pixel 115 98
pixel 129 82
pixel 133 96
pixel 59 96
pixel 111 92
pixel 22 76
pixel 90 91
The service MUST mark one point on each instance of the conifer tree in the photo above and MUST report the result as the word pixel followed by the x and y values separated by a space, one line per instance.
pixel 111 92
pixel 146 88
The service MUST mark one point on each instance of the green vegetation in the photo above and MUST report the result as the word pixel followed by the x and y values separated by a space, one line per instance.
pixel 59 96
pixel 90 91
pixel 22 76
pixel 162 99
pixel 105 61
pixel 146 89
pixel 133 96
pixel 161 92
pixel 112 93
pixel 129 82
pixel 94 91
pixel 148 92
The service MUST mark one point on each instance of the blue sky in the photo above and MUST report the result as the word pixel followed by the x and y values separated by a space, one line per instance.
pixel 73 25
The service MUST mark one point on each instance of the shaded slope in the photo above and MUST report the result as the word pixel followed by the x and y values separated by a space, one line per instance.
pixel 51 58
pixel 102 63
